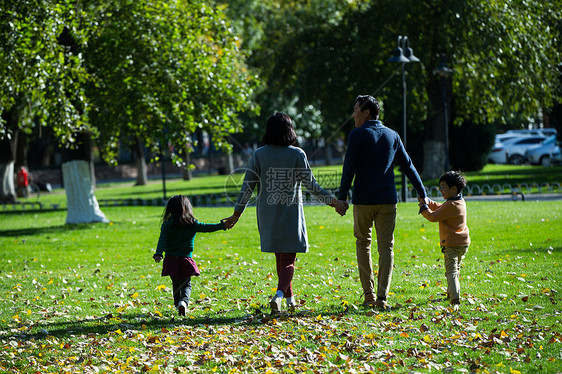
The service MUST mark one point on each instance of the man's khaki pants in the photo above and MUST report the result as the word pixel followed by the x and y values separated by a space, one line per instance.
pixel 384 218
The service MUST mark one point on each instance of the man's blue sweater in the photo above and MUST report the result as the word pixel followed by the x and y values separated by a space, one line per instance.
pixel 371 150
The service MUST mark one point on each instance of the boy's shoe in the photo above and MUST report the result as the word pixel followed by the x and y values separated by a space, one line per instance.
pixel 275 304
pixel 181 308
pixel 382 304
pixel 369 300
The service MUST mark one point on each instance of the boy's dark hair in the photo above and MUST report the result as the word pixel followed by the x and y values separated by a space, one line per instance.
pixel 179 210
pixel 279 131
pixel 454 179
pixel 367 102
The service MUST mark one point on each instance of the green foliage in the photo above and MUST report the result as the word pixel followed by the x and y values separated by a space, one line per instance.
pixel 162 70
pixel 289 43
pixel 505 56
pixel 159 70
pixel 90 297
pixel 39 77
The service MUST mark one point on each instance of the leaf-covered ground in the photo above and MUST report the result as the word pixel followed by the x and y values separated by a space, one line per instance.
pixel 88 298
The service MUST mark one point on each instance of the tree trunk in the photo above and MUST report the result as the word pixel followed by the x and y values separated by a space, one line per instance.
pixel 78 180
pixel 434 140
pixel 7 190
pixel 187 175
pixel 7 158
pixel 229 165
pixel 21 150
pixel 82 204
pixel 142 174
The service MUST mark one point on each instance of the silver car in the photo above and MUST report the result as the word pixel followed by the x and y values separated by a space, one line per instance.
pixel 543 154
pixel 513 150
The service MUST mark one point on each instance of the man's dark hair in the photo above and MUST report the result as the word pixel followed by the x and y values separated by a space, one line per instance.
pixel 367 102
pixel 280 131
pixel 453 179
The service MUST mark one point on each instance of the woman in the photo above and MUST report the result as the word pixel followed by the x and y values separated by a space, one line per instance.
pixel 278 170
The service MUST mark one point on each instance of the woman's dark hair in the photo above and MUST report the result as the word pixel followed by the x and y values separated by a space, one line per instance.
pixel 454 179
pixel 279 131
pixel 179 210
pixel 368 102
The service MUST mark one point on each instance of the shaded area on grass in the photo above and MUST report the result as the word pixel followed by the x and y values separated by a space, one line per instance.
pixel 32 231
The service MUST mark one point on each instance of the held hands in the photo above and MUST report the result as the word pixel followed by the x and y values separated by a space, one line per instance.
pixel 341 207
pixel 422 201
pixel 230 221
pixel 423 204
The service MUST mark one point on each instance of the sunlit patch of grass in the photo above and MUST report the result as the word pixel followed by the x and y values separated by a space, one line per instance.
pixel 90 297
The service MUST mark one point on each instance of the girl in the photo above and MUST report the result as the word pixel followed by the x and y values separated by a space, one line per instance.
pixel 177 236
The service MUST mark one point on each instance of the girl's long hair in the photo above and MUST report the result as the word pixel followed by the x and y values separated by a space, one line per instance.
pixel 179 210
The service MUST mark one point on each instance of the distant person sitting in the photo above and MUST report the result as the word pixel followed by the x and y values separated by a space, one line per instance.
pixel 23 182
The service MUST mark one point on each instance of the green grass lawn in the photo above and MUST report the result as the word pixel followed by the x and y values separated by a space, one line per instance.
pixel 89 298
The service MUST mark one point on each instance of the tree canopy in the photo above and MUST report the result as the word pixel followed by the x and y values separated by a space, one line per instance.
pixel 39 77
pixel 155 69
pixel 505 57
pixel 160 70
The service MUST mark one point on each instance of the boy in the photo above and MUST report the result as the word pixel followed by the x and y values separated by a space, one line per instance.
pixel 453 232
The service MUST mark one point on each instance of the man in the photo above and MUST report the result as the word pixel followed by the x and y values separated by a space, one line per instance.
pixel 372 149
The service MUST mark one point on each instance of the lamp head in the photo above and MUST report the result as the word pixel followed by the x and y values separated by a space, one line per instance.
pixel 409 54
pixel 442 69
pixel 398 56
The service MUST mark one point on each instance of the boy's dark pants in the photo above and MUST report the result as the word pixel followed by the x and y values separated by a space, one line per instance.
pixel 182 290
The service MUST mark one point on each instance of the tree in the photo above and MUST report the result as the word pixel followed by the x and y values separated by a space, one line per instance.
pixel 158 70
pixel 38 77
pixel 286 45
pixel 161 70
pixel 504 55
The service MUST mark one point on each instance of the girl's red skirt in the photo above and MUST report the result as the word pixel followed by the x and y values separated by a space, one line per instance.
pixel 179 267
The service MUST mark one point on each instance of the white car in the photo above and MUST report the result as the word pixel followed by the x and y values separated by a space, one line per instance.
pixel 502 138
pixel 513 150
pixel 543 154
pixel 497 154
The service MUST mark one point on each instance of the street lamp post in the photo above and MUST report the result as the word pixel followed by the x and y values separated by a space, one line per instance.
pixel 403 54
pixel 444 72
pixel 163 174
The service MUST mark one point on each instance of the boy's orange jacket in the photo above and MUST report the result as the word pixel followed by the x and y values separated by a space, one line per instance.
pixel 451 215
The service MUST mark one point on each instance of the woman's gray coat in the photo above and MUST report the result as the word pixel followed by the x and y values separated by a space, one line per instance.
pixel 277 174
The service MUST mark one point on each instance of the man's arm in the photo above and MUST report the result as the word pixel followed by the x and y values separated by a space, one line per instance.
pixel 349 166
pixel 409 169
